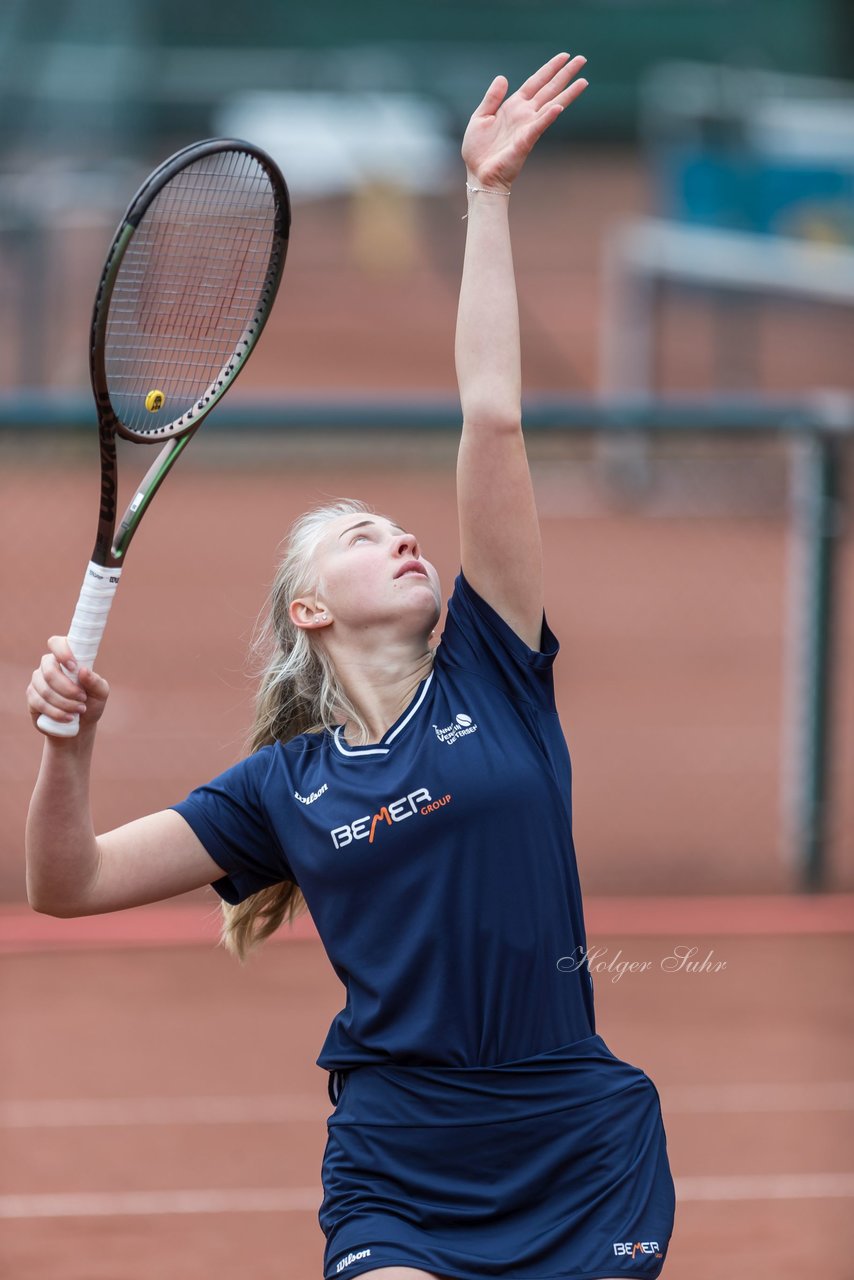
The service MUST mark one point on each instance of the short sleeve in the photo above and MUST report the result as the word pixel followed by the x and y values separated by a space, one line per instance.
pixel 477 639
pixel 229 816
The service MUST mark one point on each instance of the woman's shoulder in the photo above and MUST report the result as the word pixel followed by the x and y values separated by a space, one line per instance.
pixel 281 753
pixel 467 608
pixel 301 746
pixel 477 639
pixel 297 753
pixel 263 771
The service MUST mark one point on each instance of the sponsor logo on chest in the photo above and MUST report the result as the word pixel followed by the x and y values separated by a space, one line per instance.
pixel 416 803
pixel 461 726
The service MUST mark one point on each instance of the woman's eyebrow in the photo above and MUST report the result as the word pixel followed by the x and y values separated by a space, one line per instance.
pixel 362 524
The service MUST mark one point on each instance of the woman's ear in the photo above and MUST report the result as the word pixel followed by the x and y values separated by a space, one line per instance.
pixel 308 614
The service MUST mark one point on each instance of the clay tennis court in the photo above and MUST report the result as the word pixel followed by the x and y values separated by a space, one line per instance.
pixel 162 1111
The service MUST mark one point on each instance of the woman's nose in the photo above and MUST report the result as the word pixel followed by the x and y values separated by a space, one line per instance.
pixel 407 543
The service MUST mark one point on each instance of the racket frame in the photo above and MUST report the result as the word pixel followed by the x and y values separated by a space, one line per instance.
pixel 103 572
pixel 111 545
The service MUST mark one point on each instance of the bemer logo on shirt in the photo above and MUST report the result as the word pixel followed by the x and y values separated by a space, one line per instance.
pixel 419 801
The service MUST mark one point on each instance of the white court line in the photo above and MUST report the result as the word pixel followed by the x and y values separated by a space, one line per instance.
pixel 765 1186
pixel 83 1113
pixel 111 1204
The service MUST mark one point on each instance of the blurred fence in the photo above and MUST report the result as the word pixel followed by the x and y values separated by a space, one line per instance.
pixel 704 605
pixel 121 73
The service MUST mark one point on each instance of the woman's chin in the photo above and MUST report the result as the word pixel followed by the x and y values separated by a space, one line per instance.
pixel 420 616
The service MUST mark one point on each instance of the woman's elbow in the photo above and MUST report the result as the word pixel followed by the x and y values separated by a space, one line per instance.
pixel 60 908
pixel 492 419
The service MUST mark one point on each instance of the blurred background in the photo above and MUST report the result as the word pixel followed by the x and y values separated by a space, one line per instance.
pixel 684 248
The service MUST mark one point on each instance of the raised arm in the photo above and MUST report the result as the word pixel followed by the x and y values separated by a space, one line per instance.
pixel 499 531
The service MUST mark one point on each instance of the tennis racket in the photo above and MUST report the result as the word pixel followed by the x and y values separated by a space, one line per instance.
pixel 186 289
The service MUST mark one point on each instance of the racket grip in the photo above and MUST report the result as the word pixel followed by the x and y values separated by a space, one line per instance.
pixel 84 635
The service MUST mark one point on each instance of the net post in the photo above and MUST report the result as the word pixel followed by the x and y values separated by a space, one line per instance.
pixel 817 500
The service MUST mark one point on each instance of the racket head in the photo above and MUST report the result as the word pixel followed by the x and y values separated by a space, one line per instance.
pixel 187 287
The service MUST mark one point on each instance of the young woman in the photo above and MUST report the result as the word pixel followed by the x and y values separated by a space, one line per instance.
pixel 417 799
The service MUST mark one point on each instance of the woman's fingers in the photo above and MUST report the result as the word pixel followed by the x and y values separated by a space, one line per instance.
pixel 572 92
pixel 550 112
pixel 557 84
pixel 539 79
pixel 541 122
pixel 53 687
pixel 52 693
pixel 61 689
pixel 93 684
pixel 493 97
pixel 42 698
pixel 61 650
pixel 56 679
pixel 39 705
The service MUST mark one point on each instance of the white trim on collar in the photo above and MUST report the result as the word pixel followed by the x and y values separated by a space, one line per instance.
pixel 382 750
pixel 358 751
pixel 407 718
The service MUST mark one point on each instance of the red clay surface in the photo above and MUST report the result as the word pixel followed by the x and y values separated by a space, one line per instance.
pixel 670 685
pixel 137 1077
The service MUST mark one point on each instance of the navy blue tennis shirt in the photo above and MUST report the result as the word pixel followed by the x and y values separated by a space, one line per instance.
pixel 438 865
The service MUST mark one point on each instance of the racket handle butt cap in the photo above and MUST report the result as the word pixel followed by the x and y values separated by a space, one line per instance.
pixel 59 728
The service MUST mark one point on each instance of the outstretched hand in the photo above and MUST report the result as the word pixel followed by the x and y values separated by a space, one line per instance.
pixel 501 133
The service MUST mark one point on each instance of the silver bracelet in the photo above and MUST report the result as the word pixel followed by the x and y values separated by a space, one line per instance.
pixel 489 191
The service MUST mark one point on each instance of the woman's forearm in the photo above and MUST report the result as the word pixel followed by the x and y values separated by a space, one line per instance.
pixel 61 848
pixel 487 337
pixel 497 141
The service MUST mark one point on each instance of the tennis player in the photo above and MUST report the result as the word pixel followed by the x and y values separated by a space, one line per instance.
pixel 417 800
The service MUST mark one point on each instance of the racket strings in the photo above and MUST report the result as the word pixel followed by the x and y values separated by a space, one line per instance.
pixel 194 273
pixel 189 286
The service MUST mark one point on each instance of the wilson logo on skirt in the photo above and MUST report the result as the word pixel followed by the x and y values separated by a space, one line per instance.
pixel 352 1257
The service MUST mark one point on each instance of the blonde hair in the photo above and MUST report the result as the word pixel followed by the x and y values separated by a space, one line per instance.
pixel 299 692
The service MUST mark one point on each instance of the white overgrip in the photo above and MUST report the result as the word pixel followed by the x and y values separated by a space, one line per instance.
pixel 84 635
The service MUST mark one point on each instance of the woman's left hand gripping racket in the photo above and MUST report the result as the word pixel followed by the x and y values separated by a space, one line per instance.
pixel 185 292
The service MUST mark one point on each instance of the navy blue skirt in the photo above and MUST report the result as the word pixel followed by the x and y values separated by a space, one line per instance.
pixel 547 1168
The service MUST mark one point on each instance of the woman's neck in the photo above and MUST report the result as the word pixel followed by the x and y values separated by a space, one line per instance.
pixel 381 693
